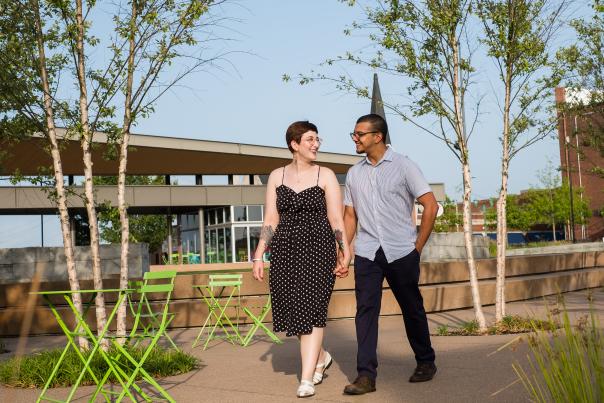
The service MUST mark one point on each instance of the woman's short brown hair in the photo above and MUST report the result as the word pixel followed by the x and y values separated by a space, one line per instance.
pixel 295 131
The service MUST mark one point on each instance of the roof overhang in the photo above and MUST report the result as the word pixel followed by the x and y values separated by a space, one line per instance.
pixel 154 155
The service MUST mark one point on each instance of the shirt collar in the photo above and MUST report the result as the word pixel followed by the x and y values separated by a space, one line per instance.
pixel 386 157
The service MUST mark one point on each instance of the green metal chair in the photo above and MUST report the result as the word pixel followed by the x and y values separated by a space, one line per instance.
pixel 148 325
pixel 147 321
pixel 221 295
pixel 257 323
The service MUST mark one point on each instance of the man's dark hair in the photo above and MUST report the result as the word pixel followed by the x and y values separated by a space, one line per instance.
pixel 377 122
pixel 296 130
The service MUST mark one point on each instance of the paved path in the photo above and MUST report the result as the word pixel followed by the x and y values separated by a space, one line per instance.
pixel 470 369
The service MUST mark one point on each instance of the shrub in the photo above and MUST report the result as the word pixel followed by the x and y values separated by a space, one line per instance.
pixel 566 365
pixel 32 371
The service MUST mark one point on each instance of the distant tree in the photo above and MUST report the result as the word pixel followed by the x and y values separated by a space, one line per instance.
pixel 450 220
pixel 147 228
pixel 518 217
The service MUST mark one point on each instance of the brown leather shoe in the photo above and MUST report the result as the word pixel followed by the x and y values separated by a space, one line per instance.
pixel 360 386
pixel 423 372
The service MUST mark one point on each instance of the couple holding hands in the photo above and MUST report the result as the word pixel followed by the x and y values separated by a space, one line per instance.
pixel 309 236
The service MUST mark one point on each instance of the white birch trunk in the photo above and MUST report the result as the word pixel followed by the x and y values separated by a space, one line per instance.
pixel 467 232
pixel 72 275
pixel 467 185
pixel 502 230
pixel 121 183
pixel 86 143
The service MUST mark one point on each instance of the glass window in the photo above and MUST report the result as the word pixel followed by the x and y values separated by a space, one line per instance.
pixel 220 219
pixel 207 246
pixel 241 254
pixel 227 214
pixel 239 213
pixel 221 249
pixel 254 213
pixel 206 217
pixel 254 238
pixel 229 245
pixel 212 220
pixel 213 248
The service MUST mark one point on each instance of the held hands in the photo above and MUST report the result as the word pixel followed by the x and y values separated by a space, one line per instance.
pixel 258 270
pixel 343 262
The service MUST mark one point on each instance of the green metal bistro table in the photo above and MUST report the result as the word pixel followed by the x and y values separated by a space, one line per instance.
pixel 256 318
pixel 81 329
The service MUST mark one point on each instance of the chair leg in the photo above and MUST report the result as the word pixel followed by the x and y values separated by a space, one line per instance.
pixel 258 324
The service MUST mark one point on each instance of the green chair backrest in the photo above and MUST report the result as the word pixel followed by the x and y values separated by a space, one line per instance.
pixel 158 275
pixel 157 288
pixel 225 280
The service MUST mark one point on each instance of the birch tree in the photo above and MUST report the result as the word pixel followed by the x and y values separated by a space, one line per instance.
pixel 426 44
pixel 29 80
pixel 148 39
pixel 156 34
pixel 518 35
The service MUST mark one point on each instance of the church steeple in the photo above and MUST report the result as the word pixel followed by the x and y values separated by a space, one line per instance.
pixel 377 106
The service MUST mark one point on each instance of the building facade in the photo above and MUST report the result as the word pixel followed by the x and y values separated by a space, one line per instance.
pixel 581 160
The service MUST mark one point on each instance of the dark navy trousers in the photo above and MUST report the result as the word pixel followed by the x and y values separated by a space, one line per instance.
pixel 403 278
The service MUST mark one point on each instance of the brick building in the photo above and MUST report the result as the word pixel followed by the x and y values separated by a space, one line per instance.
pixel 579 158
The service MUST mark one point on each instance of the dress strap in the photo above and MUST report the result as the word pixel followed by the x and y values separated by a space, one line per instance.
pixel 283 176
pixel 318 173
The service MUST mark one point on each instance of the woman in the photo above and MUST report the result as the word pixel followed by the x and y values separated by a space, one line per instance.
pixel 304 228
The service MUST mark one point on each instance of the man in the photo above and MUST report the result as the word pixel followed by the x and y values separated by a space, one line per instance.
pixel 380 194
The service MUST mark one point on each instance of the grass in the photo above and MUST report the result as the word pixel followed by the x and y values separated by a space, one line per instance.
pixel 539 244
pixel 566 365
pixel 32 371
pixel 510 324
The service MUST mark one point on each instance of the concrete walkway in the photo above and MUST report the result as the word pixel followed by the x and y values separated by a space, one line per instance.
pixel 470 369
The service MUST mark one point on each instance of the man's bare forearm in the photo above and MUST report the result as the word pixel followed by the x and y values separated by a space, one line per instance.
pixel 428 217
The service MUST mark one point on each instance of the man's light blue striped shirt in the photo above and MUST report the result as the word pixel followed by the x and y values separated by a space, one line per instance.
pixel 383 197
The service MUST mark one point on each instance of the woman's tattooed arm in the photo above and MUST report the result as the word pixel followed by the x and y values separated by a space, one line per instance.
pixel 339 238
pixel 266 234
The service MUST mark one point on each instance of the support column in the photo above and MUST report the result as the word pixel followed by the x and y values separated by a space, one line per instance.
pixel 169 222
pixel 202 235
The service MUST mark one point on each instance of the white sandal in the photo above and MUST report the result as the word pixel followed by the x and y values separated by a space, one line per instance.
pixel 318 376
pixel 306 389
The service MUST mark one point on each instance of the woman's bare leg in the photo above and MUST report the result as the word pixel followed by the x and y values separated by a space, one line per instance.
pixel 311 352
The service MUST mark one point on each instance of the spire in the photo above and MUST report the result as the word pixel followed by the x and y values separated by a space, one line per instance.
pixel 377 106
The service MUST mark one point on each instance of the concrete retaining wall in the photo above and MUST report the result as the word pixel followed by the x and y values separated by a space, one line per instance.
pixel 444 286
pixel 19 265
pixel 567 248
pixel 450 245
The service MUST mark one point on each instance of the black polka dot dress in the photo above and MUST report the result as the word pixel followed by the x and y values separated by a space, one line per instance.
pixel 303 257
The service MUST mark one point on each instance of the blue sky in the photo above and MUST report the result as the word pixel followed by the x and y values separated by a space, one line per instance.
pixel 246 101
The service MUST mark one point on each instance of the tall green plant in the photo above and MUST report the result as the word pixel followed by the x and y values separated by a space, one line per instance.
pixel 566 365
